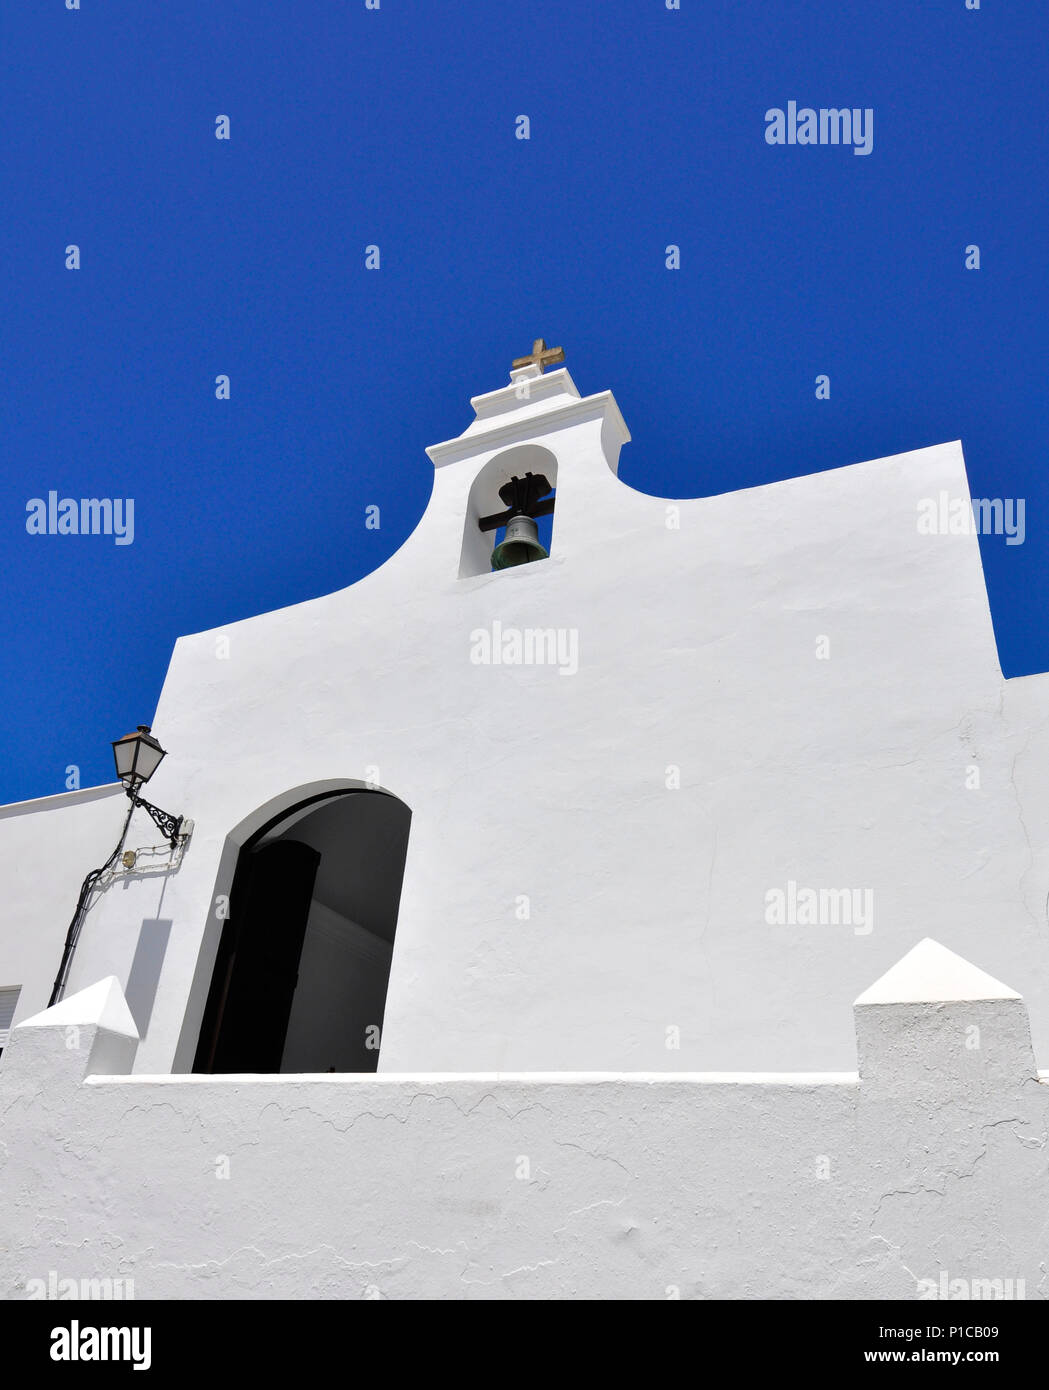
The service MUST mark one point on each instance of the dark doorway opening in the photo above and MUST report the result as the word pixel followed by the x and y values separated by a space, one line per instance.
pixel 303 964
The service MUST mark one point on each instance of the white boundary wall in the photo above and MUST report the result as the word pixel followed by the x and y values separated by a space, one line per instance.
pixel 929 1165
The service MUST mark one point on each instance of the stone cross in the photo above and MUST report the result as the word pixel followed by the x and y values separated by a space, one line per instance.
pixel 541 356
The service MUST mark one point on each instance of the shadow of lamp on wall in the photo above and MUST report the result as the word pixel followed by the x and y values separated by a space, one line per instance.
pixel 144 976
pixel 137 757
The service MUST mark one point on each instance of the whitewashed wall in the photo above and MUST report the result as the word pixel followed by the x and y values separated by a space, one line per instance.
pixel 46 848
pixel 697 647
pixel 925 1172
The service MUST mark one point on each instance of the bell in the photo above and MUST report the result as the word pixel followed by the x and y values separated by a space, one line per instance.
pixel 519 545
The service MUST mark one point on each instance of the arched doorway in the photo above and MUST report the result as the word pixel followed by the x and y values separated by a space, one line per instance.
pixel 303 962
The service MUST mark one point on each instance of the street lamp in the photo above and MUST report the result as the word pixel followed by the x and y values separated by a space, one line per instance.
pixel 137 757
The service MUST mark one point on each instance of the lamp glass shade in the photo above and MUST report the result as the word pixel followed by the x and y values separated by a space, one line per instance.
pixel 137 756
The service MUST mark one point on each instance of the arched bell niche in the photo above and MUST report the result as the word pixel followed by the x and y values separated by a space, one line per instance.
pixel 485 501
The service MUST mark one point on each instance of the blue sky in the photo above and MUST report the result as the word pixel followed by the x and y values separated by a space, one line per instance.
pixel 396 127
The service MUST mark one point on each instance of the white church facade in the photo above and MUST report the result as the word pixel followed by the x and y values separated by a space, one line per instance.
pixel 518 929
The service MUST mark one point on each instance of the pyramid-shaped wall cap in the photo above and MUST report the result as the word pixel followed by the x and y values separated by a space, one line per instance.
pixel 101 1005
pixel 930 974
